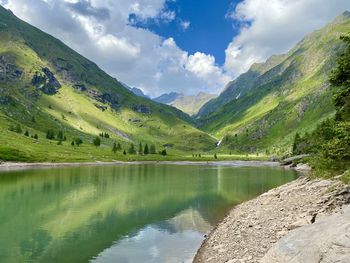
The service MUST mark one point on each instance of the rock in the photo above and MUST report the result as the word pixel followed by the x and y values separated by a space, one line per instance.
pixel 100 107
pixel 274 159
pixel 8 71
pixel 112 100
pixel 303 167
pixel 289 160
pixel 254 227
pixel 326 241
pixel 80 87
pixel 46 82
pixel 142 109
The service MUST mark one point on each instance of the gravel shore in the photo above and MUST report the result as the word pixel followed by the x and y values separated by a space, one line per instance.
pixel 21 166
pixel 252 228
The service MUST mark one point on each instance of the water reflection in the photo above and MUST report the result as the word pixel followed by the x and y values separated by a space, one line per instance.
pixel 114 213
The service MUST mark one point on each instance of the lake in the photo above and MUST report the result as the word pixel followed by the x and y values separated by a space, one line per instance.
pixel 126 213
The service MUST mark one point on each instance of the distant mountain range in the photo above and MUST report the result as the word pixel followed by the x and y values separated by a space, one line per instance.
pixel 189 104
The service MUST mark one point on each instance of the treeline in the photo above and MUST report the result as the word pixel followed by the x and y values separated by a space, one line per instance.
pixel 329 143
pixel 60 137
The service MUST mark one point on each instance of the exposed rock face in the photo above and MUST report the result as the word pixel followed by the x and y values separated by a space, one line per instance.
pixel 46 82
pixel 142 109
pixel 6 100
pixel 326 241
pixel 8 71
pixel 252 228
pixel 108 98
pixel 80 87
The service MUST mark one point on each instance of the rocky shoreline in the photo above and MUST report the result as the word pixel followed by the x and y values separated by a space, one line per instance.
pixel 252 231
pixel 21 166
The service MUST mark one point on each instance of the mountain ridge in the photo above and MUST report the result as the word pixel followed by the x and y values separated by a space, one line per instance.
pixel 47 85
pixel 264 107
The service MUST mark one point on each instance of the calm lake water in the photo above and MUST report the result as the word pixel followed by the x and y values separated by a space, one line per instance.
pixel 134 213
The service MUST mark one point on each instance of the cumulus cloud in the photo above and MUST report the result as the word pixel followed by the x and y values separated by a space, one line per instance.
pixel 134 55
pixel 274 27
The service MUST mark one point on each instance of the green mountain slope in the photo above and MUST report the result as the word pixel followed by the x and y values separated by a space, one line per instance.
pixel 189 104
pixel 263 108
pixel 46 85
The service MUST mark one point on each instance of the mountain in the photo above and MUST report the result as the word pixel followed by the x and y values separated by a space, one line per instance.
pixel 189 104
pixel 263 109
pixel 138 92
pixel 46 87
pixel 168 98
pixel 135 90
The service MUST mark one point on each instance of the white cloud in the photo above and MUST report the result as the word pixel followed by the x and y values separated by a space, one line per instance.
pixel 203 66
pixel 185 25
pixel 274 27
pixel 134 55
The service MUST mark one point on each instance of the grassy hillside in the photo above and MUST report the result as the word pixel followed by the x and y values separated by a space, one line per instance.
pixel 45 85
pixel 263 109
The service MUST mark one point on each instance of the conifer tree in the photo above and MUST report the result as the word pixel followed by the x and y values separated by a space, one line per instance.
pixel 140 148
pixel 132 150
pixel 153 149
pixel 114 148
pixel 146 150
pixel 97 141
pixel 119 147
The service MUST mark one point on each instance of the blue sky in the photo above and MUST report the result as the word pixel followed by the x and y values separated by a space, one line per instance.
pixel 209 31
pixel 186 46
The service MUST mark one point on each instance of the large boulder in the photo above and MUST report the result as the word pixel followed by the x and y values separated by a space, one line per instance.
pixel 326 241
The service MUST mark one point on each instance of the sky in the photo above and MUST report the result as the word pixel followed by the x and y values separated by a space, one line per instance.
pixel 186 46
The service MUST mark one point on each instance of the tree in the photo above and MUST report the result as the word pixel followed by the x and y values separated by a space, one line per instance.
pixel 50 134
pixel 18 129
pixel 152 149
pixel 60 136
pixel 26 133
pixel 132 150
pixel 146 150
pixel 340 80
pixel 119 147
pixel 114 148
pixel 140 148
pixel 296 142
pixel 78 141
pixel 97 141
pixel 164 153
